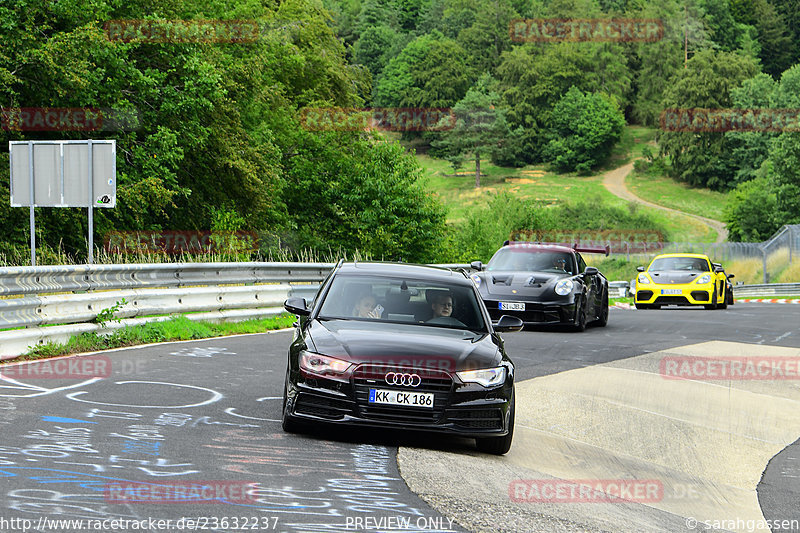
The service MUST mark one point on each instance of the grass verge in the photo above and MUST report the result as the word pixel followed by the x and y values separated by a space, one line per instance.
pixel 665 191
pixel 538 183
pixel 179 328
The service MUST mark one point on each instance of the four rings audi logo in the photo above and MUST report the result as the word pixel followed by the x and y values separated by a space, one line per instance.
pixel 406 380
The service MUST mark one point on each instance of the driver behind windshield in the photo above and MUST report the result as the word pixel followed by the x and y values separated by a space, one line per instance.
pixel 559 263
pixel 442 305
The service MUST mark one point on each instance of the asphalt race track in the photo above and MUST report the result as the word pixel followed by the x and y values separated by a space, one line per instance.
pixel 189 433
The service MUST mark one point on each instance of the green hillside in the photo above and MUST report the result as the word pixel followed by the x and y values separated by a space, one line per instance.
pixel 536 182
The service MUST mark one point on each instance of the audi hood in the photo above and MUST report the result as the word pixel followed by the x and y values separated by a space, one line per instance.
pixel 403 344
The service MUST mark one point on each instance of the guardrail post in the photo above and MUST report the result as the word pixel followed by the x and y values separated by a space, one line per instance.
pixel 33 200
pixel 764 265
pixel 91 206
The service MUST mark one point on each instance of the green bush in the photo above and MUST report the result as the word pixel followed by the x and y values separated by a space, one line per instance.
pixel 586 126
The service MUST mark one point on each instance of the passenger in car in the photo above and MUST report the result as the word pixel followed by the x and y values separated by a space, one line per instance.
pixel 367 307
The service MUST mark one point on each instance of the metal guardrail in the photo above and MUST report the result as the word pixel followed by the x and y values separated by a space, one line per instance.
pixel 74 295
pixel 53 279
pixel 769 289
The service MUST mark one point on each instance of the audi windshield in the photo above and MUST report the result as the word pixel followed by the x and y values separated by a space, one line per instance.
pixel 423 302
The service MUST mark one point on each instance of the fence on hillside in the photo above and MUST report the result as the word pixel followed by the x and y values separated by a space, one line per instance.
pixel 769 259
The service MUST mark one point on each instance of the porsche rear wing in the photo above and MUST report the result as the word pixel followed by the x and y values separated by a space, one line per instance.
pixel 575 246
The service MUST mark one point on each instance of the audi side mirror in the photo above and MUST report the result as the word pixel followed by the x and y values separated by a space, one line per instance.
pixel 476 265
pixel 718 268
pixel 297 306
pixel 508 323
pixel 590 271
pixel 639 269
pixel 731 276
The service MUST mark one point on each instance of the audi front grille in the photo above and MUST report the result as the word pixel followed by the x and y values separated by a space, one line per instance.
pixel 370 376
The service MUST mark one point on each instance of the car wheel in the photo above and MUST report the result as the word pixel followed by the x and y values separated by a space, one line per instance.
pixel 498 445
pixel 603 320
pixel 729 296
pixel 289 424
pixel 580 320
pixel 712 306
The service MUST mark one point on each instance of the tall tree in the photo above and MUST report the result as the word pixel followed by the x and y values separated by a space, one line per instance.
pixel 431 71
pixel 698 158
pixel 533 78
pixel 480 126
pixel 488 37
pixel 585 129
pixel 774 37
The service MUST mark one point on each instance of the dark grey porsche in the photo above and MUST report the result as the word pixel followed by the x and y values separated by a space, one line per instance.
pixel 544 284
pixel 401 346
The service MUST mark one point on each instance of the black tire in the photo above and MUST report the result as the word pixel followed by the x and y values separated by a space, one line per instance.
pixel 603 320
pixel 724 303
pixel 498 445
pixel 289 424
pixel 580 320
pixel 712 306
pixel 729 297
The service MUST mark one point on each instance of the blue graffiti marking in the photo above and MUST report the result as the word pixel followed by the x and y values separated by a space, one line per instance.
pixel 61 420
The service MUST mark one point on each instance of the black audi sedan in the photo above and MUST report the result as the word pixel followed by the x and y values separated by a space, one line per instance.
pixel 544 284
pixel 400 346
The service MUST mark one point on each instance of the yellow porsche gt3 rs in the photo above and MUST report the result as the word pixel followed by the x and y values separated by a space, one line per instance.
pixel 683 279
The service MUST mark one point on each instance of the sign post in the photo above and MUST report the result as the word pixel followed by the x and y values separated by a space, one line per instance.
pixel 63 174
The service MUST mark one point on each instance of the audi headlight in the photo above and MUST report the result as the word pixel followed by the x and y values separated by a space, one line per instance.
pixel 488 377
pixel 643 279
pixel 476 279
pixel 705 278
pixel 322 364
pixel 564 287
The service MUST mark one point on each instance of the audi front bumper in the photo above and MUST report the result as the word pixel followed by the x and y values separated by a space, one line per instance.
pixel 469 410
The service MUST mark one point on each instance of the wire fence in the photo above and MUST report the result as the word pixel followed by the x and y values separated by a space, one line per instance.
pixel 774 260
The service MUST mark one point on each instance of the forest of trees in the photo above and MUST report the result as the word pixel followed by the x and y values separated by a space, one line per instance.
pixel 219 144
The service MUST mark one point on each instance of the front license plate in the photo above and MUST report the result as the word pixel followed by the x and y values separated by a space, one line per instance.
pixel 399 397
pixel 670 291
pixel 512 306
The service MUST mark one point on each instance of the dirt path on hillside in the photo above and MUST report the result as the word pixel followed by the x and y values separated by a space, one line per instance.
pixel 614 181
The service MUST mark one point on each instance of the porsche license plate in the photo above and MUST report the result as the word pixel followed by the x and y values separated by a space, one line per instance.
pixel 670 291
pixel 399 397
pixel 512 306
